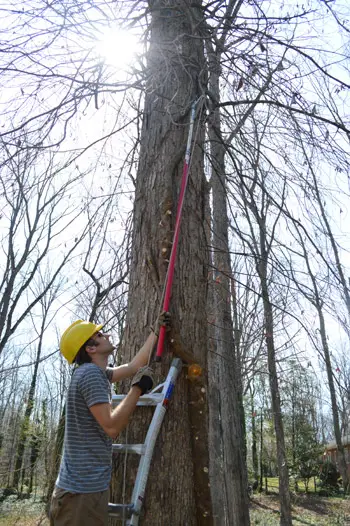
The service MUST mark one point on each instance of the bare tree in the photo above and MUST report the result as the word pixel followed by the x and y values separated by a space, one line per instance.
pixel 314 293
pixel 25 432
pixel 37 210
pixel 262 221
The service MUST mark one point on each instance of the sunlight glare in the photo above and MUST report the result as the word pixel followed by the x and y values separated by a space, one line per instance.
pixel 117 47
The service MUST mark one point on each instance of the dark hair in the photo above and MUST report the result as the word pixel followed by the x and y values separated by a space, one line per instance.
pixel 82 355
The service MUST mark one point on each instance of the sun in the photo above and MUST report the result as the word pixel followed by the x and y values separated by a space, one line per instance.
pixel 118 47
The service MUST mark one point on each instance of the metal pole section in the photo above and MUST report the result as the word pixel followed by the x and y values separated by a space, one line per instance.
pixel 171 268
pixel 151 437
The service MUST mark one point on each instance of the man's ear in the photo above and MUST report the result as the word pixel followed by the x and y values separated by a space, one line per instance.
pixel 91 349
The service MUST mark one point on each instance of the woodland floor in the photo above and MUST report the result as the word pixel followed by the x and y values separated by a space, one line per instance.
pixel 22 512
pixel 308 510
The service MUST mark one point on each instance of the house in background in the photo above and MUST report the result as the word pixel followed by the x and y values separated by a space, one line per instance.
pixel 331 451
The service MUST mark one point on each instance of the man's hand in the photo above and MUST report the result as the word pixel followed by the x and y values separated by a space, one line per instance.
pixel 163 320
pixel 143 379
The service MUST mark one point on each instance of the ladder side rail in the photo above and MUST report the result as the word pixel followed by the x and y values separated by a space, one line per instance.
pixel 151 437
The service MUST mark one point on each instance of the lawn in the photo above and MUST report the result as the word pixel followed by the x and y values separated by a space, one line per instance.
pixel 272 484
pixel 307 510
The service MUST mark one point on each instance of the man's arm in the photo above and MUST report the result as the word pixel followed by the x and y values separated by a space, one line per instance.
pixel 114 421
pixel 140 360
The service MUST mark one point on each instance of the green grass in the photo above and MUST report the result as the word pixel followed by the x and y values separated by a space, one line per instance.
pixel 272 484
pixel 265 518
pixel 307 510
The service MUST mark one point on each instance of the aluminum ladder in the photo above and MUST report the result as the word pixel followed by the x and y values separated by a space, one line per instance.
pixel 159 397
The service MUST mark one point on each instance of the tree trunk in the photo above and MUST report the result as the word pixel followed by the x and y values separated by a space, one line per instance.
pixel 233 472
pixel 261 451
pixel 296 488
pixel 329 233
pixel 178 486
pixel 255 460
pixel 34 454
pixel 215 417
pixel 317 302
pixel 335 412
pixel 57 453
pixel 286 518
pixel 25 431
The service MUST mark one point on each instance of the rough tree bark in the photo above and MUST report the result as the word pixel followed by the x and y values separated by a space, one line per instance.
pixel 229 474
pixel 178 490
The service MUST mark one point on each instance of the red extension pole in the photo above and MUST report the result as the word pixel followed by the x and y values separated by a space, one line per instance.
pixel 171 267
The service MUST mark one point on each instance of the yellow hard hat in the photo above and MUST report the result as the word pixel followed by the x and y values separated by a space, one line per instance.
pixel 75 336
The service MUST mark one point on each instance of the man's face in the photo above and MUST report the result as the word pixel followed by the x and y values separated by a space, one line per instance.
pixel 103 345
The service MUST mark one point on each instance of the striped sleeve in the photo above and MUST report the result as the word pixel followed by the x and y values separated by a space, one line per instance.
pixel 93 387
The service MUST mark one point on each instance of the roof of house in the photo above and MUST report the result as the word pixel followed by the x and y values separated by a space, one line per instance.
pixel 333 445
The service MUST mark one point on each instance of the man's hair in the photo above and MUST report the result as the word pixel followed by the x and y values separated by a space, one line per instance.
pixel 82 355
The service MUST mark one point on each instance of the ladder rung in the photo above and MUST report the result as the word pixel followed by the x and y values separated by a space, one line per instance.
pixel 139 449
pixel 159 397
pixel 120 510
pixel 147 399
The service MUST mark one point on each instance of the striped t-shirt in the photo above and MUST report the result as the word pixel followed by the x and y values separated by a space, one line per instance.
pixel 87 451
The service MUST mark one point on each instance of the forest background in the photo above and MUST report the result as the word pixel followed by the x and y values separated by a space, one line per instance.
pixel 94 115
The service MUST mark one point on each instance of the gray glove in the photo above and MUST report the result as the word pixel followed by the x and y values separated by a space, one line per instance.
pixel 163 320
pixel 143 379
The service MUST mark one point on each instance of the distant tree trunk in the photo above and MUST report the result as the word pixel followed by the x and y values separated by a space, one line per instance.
pixel 316 300
pixel 257 209
pixel 14 424
pixel 34 454
pixel 296 488
pixel 329 233
pixel 335 413
pixel 286 518
pixel 178 487
pixel 255 460
pixel 45 440
pixel 261 451
pixel 256 204
pixel 261 265
pixel 57 453
pixel 25 431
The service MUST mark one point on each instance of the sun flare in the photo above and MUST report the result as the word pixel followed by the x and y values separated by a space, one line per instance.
pixel 118 48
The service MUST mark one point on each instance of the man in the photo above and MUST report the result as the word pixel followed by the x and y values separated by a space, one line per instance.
pixel 80 497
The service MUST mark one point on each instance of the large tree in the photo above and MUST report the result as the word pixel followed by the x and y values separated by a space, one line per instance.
pixel 178 488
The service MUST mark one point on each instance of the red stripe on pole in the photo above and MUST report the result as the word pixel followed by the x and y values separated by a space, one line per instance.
pixel 171 268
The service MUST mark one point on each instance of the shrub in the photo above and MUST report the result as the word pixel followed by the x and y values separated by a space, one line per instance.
pixel 329 478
